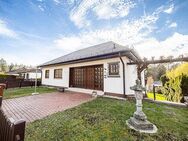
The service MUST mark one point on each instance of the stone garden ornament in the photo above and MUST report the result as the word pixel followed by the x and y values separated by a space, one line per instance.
pixel 139 120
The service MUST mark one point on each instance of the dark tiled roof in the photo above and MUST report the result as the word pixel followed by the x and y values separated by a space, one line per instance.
pixel 93 51
pixel 23 70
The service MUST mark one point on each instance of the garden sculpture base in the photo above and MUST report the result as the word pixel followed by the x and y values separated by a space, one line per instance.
pixel 139 120
pixel 139 123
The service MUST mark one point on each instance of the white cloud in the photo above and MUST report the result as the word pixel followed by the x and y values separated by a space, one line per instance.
pixel 68 43
pixel 130 32
pixel 78 14
pixel 169 10
pixel 175 45
pixel 113 9
pixel 172 25
pixel 57 1
pixel 41 8
pixel 13 58
pixel 30 52
pixel 127 32
pixel 5 31
pixel 103 9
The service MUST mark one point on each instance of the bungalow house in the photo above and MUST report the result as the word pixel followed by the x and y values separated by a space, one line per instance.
pixel 26 73
pixel 102 68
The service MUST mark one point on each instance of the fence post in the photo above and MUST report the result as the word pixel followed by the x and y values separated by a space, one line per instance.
pixel 20 85
pixel 6 84
pixel 31 82
pixel 154 96
pixel 19 130
pixel 1 99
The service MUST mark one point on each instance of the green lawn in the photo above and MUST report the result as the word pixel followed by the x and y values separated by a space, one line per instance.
pixel 25 91
pixel 104 119
pixel 158 96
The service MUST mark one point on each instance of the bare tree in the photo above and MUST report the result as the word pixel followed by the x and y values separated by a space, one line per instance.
pixel 3 65
pixel 10 67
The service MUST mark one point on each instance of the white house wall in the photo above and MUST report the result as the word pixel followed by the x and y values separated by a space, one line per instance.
pixel 111 84
pixel 32 75
pixel 131 76
pixel 56 82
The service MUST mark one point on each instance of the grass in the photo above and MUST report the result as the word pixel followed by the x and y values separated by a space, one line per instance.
pixel 25 91
pixel 104 119
pixel 158 96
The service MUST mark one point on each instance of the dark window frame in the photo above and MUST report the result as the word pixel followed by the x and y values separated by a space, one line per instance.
pixel 114 69
pixel 47 73
pixel 58 73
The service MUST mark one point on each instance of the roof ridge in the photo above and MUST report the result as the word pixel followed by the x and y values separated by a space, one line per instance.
pixel 80 50
pixel 89 47
pixel 91 51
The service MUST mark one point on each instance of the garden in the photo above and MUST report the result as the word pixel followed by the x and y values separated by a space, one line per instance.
pixel 104 119
pixel 174 82
pixel 25 91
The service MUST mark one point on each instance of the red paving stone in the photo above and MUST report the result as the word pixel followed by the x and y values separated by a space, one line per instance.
pixel 31 108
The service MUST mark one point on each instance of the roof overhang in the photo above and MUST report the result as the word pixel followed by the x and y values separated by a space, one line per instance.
pixel 131 54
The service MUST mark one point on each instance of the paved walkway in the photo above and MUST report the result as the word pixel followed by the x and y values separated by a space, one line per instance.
pixel 31 108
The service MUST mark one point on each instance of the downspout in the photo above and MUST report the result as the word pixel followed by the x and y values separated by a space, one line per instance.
pixel 123 64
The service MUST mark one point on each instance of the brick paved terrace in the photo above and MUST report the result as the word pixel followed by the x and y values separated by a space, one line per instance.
pixel 31 108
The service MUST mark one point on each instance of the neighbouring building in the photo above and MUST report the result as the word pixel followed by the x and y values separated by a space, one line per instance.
pixel 26 73
pixel 104 68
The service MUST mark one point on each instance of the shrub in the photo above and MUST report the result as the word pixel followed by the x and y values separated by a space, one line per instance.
pixel 184 85
pixel 175 83
pixel 164 79
pixel 172 89
pixel 5 76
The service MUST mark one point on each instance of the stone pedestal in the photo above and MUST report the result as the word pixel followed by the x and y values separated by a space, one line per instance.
pixel 139 120
pixel 140 125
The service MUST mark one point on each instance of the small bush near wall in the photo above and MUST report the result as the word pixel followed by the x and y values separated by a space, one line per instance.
pixel 5 76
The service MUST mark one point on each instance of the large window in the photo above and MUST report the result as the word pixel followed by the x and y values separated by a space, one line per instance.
pixel 47 73
pixel 113 69
pixel 58 73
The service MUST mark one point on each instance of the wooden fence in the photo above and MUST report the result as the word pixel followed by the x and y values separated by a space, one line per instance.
pixel 10 130
pixel 13 83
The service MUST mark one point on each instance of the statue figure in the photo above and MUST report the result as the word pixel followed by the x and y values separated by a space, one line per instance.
pixel 139 120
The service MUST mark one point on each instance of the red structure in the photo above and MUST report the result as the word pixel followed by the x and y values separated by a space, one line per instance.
pixel 2 86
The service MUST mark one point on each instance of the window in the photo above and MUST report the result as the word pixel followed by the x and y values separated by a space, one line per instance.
pixel 58 73
pixel 113 69
pixel 47 74
pixel 27 76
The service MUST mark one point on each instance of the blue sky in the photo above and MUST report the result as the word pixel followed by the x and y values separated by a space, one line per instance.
pixel 36 31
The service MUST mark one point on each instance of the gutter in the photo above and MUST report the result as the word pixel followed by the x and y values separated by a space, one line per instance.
pixel 138 59
pixel 123 64
pixel 94 58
